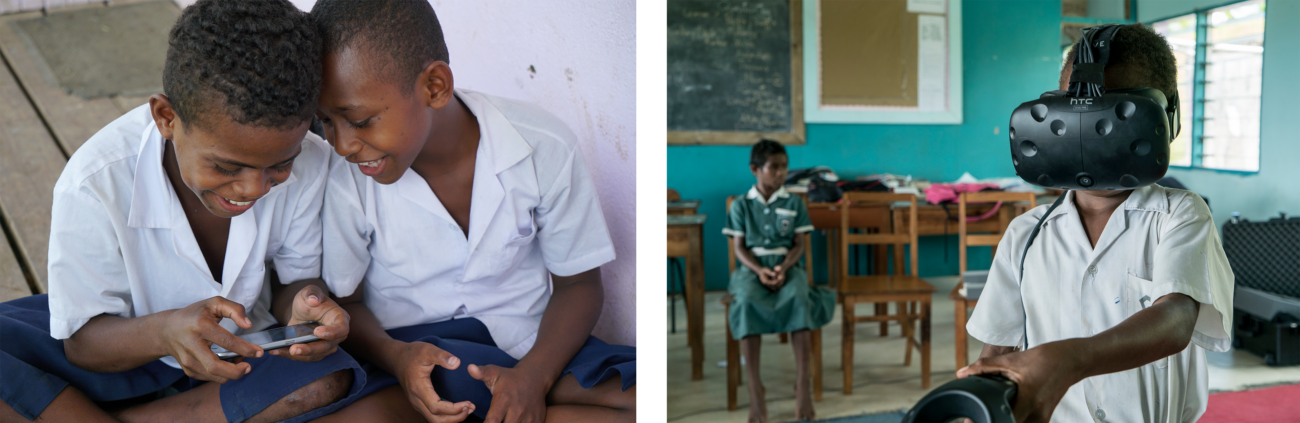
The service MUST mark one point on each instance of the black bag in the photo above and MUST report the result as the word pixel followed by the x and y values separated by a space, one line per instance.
pixel 1265 260
pixel 821 181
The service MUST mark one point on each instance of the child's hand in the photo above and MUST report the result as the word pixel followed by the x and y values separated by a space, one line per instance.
pixel 312 305
pixel 415 365
pixel 1042 375
pixel 518 396
pixel 780 275
pixel 190 332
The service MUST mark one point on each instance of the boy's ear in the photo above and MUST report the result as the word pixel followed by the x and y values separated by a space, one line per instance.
pixel 436 84
pixel 164 115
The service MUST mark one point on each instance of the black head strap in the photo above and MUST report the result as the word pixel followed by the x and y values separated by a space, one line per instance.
pixel 1088 78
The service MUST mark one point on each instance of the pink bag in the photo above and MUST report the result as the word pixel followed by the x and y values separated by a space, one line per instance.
pixel 947 193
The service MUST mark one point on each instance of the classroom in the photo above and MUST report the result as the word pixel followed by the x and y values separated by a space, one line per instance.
pixel 918 98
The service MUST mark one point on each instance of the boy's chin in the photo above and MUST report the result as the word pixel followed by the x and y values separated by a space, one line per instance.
pixel 1105 192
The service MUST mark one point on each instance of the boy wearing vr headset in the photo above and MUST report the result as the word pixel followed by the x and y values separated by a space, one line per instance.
pixel 1119 290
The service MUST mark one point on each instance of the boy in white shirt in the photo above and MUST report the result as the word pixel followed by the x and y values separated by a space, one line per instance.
pixel 448 216
pixel 1122 290
pixel 161 227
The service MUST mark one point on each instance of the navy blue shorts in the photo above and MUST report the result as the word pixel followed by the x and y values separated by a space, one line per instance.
pixel 469 340
pixel 34 370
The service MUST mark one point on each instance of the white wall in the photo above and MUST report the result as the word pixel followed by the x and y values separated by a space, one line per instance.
pixel 584 56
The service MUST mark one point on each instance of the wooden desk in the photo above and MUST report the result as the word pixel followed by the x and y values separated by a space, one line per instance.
pixel 685 239
pixel 683 207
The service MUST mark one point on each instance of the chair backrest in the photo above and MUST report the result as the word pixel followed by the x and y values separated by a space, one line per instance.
pixel 1004 219
pixel 895 235
pixel 673 195
pixel 807 247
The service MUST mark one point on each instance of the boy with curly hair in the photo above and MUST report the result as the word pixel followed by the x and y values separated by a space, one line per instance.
pixel 162 226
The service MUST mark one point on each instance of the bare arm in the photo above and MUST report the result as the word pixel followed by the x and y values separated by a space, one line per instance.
pixel 744 256
pixel 368 341
pixel 796 252
pixel 109 343
pixel 1157 332
pixel 1047 371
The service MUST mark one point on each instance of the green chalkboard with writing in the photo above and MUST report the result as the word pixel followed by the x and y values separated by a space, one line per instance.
pixel 734 71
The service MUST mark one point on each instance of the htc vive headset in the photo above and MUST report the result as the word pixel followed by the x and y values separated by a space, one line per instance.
pixel 982 399
pixel 1090 137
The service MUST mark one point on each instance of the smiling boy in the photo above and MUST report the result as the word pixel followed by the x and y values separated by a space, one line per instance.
pixel 162 227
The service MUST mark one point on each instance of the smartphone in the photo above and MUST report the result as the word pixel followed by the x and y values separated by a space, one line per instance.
pixel 273 338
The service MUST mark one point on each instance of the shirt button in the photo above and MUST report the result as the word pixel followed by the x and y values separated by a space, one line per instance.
pixel 1092 270
pixel 766 211
pixel 451 226
pixel 1101 415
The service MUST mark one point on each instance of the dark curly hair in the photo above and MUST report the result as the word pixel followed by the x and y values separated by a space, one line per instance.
pixel 256 61
pixel 1139 57
pixel 764 149
pixel 407 30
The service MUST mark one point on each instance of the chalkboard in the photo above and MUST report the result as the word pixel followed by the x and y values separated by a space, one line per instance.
pixel 735 71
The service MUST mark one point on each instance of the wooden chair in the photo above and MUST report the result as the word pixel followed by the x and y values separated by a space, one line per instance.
pixel 733 346
pixel 961 304
pixel 909 292
pixel 673 195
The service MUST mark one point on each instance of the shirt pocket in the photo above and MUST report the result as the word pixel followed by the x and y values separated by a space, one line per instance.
pixel 517 246
pixel 785 221
pixel 1137 297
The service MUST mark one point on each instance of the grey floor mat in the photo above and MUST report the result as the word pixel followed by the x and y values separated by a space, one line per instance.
pixel 82 49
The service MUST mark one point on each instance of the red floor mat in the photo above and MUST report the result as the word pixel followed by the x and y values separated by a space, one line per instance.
pixel 1276 404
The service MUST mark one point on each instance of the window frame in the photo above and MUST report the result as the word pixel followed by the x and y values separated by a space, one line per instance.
pixel 1196 141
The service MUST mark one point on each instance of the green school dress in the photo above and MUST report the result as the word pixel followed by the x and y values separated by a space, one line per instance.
pixel 769 227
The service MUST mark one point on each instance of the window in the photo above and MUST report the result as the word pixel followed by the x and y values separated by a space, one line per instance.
pixel 1220 56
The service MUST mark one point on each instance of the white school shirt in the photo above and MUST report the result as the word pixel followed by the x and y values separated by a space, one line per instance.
pixel 1161 241
pixel 120 243
pixel 533 212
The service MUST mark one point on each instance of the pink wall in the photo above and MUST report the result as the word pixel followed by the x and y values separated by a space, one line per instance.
pixel 584 54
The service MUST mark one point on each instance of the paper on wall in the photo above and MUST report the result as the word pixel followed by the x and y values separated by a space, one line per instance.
pixel 932 63
pixel 927 6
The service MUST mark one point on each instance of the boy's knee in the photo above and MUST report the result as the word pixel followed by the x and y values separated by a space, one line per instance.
pixel 322 392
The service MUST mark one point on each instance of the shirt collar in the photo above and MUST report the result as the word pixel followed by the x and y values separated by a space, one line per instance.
pixel 152 196
pixel 755 195
pixel 498 137
pixel 1148 198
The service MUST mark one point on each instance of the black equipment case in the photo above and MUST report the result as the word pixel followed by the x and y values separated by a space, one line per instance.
pixel 1265 260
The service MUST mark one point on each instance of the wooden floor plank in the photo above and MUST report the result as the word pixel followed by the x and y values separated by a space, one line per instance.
pixel 12 282
pixel 73 119
pixel 30 163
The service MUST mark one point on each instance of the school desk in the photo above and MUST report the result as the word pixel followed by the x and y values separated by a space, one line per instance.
pixel 686 239
pixel 683 207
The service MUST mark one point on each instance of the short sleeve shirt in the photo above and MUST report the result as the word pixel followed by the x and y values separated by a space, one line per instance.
pixel 120 243
pixel 534 213
pixel 1160 241
pixel 768 225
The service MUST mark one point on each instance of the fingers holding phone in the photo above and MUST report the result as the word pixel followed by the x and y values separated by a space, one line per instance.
pixel 311 304
pixel 191 331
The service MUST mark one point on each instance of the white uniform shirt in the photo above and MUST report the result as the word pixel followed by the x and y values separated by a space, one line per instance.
pixel 1161 241
pixel 533 212
pixel 120 243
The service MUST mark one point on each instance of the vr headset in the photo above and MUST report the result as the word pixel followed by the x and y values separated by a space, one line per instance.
pixel 1092 138
pixel 982 399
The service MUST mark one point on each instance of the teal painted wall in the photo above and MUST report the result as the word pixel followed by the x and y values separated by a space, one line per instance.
pixel 1010 55
pixel 1277 185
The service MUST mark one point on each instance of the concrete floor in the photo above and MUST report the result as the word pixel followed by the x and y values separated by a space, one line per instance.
pixel 881 382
